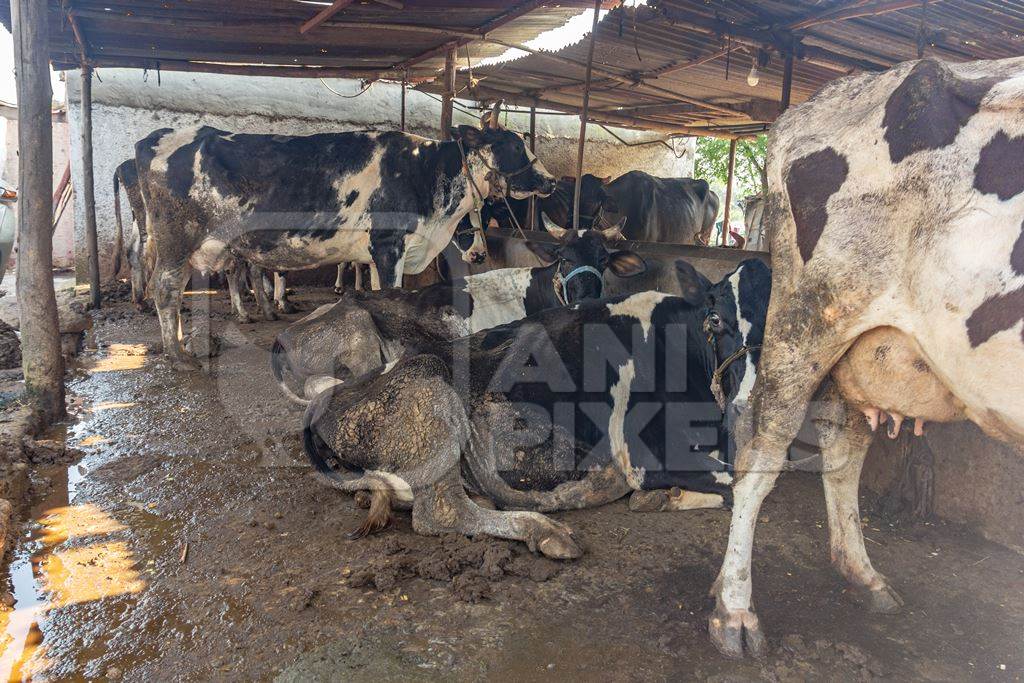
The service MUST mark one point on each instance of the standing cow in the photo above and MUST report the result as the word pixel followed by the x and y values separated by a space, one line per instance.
pixel 286 202
pixel 896 215
pixel 672 210
pixel 134 250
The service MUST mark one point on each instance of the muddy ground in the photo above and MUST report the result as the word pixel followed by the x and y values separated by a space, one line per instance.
pixel 190 542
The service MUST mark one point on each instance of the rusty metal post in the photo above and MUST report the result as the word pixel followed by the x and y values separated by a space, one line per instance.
pixel 532 223
pixel 787 76
pixel 728 192
pixel 583 118
pixel 449 93
pixel 40 334
pixel 405 83
pixel 88 189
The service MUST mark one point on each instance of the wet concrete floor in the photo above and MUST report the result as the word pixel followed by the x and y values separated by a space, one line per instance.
pixel 190 543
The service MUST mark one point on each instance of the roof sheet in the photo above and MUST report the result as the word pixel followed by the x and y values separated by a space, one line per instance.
pixel 683 64
pixel 675 65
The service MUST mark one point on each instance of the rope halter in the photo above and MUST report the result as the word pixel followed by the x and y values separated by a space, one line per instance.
pixel 561 282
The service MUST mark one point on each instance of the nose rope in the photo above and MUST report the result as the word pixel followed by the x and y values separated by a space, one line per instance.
pixel 716 376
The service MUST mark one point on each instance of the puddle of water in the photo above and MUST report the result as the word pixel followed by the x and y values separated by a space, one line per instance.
pixel 71 552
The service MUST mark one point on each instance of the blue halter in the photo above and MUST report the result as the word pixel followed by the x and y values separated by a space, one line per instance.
pixel 579 270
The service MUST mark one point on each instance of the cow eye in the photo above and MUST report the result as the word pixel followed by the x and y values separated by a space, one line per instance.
pixel 715 321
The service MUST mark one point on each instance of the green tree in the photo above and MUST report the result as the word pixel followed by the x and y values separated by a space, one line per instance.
pixel 712 164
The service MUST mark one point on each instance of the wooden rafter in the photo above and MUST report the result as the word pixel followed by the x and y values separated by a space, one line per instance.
pixel 325 14
pixel 338 5
pixel 859 9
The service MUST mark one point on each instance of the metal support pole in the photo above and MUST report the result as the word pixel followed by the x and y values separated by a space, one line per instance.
pixel 88 189
pixel 583 119
pixel 532 222
pixel 728 192
pixel 449 93
pixel 40 334
pixel 405 82
pixel 787 76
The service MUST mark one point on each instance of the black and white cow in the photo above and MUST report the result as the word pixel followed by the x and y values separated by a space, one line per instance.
pixel 896 217
pixel 133 251
pixel 365 330
pixel 569 408
pixel 286 202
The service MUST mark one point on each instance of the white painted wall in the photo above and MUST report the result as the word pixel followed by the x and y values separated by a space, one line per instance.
pixel 127 107
pixel 64 235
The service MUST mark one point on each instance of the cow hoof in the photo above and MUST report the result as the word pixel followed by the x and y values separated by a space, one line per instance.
pixel 287 308
pixel 270 316
pixel 736 632
pixel 648 501
pixel 244 319
pixel 558 543
pixel 339 290
pixel 884 600
pixel 186 364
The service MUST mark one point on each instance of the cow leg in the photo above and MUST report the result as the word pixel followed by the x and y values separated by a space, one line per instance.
pixel 236 280
pixel 281 294
pixel 674 500
pixel 844 438
pixel 170 284
pixel 339 280
pixel 266 308
pixel 443 507
pixel 374 278
pixel 596 488
pixel 358 267
pixel 788 376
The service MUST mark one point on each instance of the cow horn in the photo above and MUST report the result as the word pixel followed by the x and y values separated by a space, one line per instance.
pixel 614 233
pixel 495 113
pixel 557 232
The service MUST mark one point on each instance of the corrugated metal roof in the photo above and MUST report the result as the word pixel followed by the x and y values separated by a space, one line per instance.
pixel 365 38
pixel 675 65
pixel 682 64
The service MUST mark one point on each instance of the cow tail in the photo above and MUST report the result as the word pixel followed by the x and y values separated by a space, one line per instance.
pixel 277 367
pixel 119 244
pixel 320 454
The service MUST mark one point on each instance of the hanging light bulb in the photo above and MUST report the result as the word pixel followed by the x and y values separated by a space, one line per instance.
pixel 754 77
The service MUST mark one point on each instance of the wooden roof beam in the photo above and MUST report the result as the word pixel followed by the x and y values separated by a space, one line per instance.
pixel 781 39
pixel 335 7
pixel 526 98
pixel 325 14
pixel 859 9
pixel 497 22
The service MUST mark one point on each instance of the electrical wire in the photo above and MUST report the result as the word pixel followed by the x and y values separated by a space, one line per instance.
pixel 347 97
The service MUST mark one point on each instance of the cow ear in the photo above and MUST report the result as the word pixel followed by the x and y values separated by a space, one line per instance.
pixel 547 253
pixel 472 138
pixel 607 179
pixel 626 263
pixel 693 286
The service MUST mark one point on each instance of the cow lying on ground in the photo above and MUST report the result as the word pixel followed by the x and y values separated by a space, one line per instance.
pixel 293 202
pixel 896 216
pixel 365 330
pixel 569 408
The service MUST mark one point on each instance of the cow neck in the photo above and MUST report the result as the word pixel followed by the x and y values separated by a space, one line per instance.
pixel 542 293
